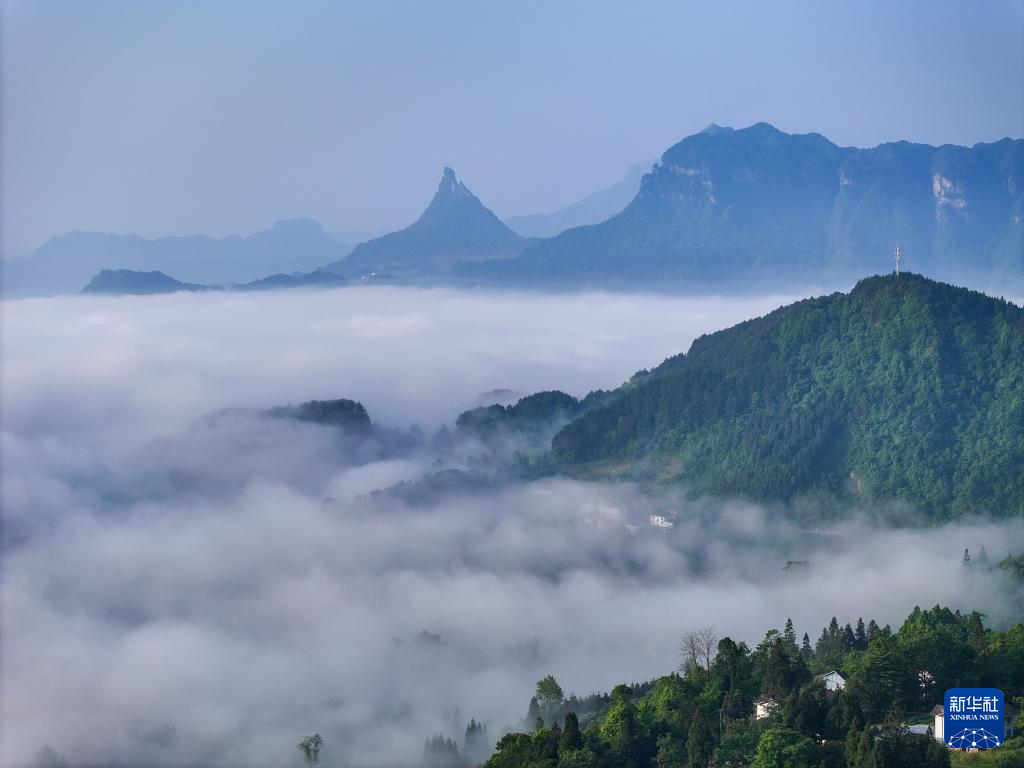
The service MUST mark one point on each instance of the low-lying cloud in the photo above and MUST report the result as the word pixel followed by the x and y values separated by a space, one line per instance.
pixel 180 590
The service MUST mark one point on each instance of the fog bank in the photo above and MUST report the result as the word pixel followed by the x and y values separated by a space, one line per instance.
pixel 177 591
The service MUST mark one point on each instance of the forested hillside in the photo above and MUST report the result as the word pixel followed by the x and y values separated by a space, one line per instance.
pixel 705 714
pixel 904 388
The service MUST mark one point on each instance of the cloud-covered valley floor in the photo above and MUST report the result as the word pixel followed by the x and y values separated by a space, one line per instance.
pixel 176 591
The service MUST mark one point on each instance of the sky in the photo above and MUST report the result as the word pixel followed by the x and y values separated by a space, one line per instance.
pixel 194 117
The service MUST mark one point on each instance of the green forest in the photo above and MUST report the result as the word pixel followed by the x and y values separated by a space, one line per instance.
pixel 902 389
pixel 704 714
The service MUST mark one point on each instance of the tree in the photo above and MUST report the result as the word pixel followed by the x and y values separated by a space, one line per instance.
pixel 731 667
pixel 619 729
pixel 860 636
pixel 671 752
pixel 513 750
pixel 849 639
pixel 778 674
pixel 532 712
pixel 475 746
pixel 549 696
pixel 982 559
pixel 806 652
pixel 872 630
pixel 789 637
pixel 571 737
pixel 440 752
pixel 781 747
pixel 739 741
pixel 697 648
pixel 310 748
pixel 902 750
pixel 699 744
pixel 976 638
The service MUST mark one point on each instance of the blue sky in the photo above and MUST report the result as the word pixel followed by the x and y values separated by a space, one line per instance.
pixel 219 117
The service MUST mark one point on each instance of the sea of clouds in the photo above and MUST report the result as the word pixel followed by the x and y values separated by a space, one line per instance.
pixel 179 590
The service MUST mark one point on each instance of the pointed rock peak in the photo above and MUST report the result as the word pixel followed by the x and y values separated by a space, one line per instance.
pixel 450 186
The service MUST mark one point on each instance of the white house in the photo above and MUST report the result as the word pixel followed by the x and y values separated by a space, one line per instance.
pixel 833 681
pixel 764 706
pixel 937 711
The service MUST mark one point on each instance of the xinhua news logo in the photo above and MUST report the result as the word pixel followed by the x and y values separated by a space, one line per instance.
pixel 973 718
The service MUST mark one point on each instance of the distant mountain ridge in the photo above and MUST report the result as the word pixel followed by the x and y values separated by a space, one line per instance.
pixel 594 208
pixel 725 206
pixel 127 282
pixel 754 209
pixel 456 228
pixel 64 264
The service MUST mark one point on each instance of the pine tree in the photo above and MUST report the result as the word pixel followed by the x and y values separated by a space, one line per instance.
pixel 849 640
pixel 475 746
pixel 699 744
pixel 778 674
pixel 982 559
pixel 860 636
pixel 872 630
pixel 806 652
pixel 533 711
pixel 966 560
pixel 976 637
pixel 571 737
pixel 789 634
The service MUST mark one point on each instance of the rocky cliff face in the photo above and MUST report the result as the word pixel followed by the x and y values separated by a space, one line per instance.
pixel 726 206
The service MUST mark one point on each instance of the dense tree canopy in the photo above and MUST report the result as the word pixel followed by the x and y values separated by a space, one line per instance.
pixel 904 388
pixel 705 718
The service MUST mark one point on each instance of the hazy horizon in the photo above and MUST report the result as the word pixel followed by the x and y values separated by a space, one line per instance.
pixel 172 119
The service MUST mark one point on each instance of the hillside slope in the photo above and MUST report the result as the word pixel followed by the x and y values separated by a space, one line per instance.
pixel 904 388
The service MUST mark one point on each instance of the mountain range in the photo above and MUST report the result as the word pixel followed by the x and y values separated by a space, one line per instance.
pixel 128 282
pixel 64 264
pixel 726 207
pixel 723 209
